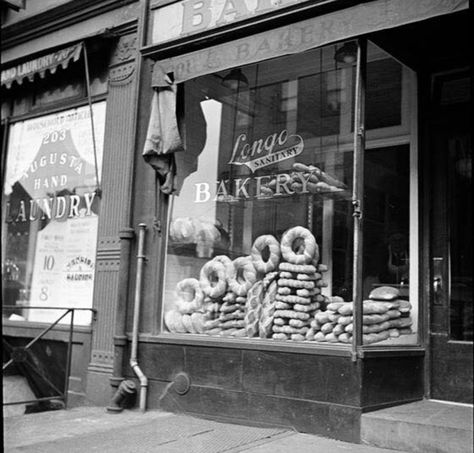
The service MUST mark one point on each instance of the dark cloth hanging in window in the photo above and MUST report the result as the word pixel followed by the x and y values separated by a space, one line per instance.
pixel 163 138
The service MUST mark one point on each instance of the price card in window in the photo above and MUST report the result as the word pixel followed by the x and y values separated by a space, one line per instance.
pixel 63 272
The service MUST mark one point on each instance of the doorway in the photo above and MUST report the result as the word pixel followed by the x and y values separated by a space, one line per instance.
pixel 450 301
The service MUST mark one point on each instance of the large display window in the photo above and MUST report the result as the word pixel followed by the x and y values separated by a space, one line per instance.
pixel 260 240
pixel 50 208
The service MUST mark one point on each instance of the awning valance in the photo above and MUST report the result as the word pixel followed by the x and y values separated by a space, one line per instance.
pixel 40 65
pixel 360 19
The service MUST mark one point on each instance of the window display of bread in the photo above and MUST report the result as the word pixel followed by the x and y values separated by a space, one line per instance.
pixel 182 230
pixel 268 311
pixel 213 279
pixel 275 292
pixel 224 259
pixel 253 308
pixel 174 321
pixel 303 179
pixel 307 269
pixel 306 251
pixel 188 324
pixel 298 286
pixel 241 275
pixel 197 320
pixel 263 242
pixel 190 295
pixel 316 175
pixel 384 316
pixel 384 293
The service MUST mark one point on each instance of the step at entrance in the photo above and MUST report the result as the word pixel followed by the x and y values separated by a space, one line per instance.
pixel 423 427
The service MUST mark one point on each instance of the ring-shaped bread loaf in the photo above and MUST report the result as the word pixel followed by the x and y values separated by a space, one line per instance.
pixel 266 240
pixel 242 275
pixel 310 249
pixel 174 322
pixel 193 287
pixel 223 259
pixel 213 279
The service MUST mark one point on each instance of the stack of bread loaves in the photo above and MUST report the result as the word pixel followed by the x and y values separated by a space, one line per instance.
pixel 260 306
pixel 187 316
pixel 226 309
pixel 385 316
pixel 273 293
pixel 229 320
pixel 298 293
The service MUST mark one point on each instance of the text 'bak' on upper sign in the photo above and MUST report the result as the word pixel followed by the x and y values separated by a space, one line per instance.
pixel 188 17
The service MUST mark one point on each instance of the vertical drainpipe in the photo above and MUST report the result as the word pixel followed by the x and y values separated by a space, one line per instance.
pixel 136 317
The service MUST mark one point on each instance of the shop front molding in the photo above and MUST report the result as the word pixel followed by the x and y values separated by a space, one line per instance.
pixel 57 18
pixel 123 74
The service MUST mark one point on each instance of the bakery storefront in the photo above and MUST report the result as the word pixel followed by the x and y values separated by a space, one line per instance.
pixel 290 249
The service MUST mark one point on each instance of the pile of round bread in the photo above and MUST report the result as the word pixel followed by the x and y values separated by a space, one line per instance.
pixel 299 285
pixel 304 177
pixel 272 293
pixel 280 297
pixel 385 315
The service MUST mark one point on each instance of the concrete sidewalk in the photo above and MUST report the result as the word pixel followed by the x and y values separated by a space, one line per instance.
pixel 89 429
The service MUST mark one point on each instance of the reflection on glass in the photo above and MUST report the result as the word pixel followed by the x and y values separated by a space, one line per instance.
pixel 260 241
pixel 388 314
pixel 260 234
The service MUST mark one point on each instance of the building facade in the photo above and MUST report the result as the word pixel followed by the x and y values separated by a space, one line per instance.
pixel 275 199
pixel 68 90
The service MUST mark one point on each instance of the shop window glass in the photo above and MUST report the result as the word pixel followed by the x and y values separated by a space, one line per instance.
pixel 267 165
pixel 384 93
pixel 50 211
pixel 265 186
pixel 389 311
pixel 383 90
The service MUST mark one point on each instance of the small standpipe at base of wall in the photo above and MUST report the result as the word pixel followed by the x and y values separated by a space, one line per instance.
pixel 124 394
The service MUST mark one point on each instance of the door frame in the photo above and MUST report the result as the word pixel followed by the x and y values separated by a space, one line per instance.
pixel 428 119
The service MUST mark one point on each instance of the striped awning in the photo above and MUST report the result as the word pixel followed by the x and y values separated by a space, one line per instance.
pixel 40 66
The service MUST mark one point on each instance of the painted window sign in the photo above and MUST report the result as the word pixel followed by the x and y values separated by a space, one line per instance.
pixel 50 212
pixel 193 16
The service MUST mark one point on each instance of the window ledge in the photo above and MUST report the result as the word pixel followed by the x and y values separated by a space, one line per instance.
pixel 257 345
pixel 279 346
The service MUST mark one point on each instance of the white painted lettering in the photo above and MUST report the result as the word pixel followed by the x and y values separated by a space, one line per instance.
pixel 202 192
pixel 193 10
pixel 240 187
pixel 74 206
pixel 89 198
pixel 282 181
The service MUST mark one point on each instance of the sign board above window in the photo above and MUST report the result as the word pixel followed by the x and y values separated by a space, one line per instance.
pixel 189 17
pixel 358 20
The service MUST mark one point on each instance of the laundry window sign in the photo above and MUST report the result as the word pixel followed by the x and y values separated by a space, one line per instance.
pixel 189 17
pixel 51 208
